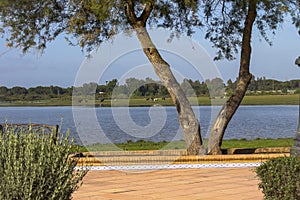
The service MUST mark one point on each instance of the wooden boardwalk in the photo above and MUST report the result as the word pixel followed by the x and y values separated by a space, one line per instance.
pixel 171 184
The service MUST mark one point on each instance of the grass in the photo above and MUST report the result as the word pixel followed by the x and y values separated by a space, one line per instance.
pixel 132 146
pixel 271 100
pixel 258 143
pixel 205 101
pixel 148 145
pixel 136 102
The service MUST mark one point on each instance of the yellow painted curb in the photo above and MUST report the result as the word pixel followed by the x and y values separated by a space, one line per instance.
pixel 120 158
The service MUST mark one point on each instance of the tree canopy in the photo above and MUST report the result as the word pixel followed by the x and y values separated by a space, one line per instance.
pixel 32 24
pixel 225 22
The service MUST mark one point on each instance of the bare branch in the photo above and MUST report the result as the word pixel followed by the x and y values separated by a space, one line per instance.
pixel 140 21
pixel 145 14
pixel 131 16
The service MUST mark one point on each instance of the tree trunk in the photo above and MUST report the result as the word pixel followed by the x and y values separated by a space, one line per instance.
pixel 186 116
pixel 232 104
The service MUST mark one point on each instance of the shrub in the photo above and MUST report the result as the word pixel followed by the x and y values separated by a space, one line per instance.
pixel 34 166
pixel 280 178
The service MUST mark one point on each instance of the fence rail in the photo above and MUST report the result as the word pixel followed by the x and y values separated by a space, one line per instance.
pixel 38 128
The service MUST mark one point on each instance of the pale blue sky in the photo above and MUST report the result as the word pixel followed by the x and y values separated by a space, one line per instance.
pixel 60 62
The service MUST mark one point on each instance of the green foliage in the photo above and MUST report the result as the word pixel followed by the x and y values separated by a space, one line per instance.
pixel 87 23
pixel 31 24
pixel 33 166
pixel 225 21
pixel 280 178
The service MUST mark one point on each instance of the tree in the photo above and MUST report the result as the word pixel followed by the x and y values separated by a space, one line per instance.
pixel 111 85
pixel 89 88
pixel 40 90
pixel 3 93
pixel 230 87
pixel 215 87
pixel 133 85
pixel 34 23
pixel 187 118
pixel 18 91
pixel 187 87
pixel 3 90
pixel 233 29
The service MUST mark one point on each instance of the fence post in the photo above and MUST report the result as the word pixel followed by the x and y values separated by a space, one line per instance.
pixel 55 134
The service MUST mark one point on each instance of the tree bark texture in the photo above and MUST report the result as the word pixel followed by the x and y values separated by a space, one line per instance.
pixel 186 116
pixel 244 79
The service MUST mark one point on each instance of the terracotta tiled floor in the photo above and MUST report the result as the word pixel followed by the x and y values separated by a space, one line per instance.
pixel 171 184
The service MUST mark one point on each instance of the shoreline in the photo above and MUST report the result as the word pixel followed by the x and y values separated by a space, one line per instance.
pixel 141 102
pixel 133 106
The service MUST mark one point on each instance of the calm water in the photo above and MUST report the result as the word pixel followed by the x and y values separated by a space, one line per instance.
pixel 102 125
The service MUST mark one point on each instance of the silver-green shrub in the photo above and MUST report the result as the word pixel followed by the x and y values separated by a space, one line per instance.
pixel 35 167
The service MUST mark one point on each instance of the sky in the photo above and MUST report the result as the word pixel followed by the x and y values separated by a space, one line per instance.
pixel 63 65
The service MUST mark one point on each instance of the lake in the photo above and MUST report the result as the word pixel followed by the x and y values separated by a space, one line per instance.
pixel 117 125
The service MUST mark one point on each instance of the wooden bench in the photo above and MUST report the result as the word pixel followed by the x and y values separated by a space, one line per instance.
pixel 38 128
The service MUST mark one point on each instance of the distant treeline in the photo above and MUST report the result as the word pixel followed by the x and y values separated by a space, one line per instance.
pixel 267 86
pixel 147 88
